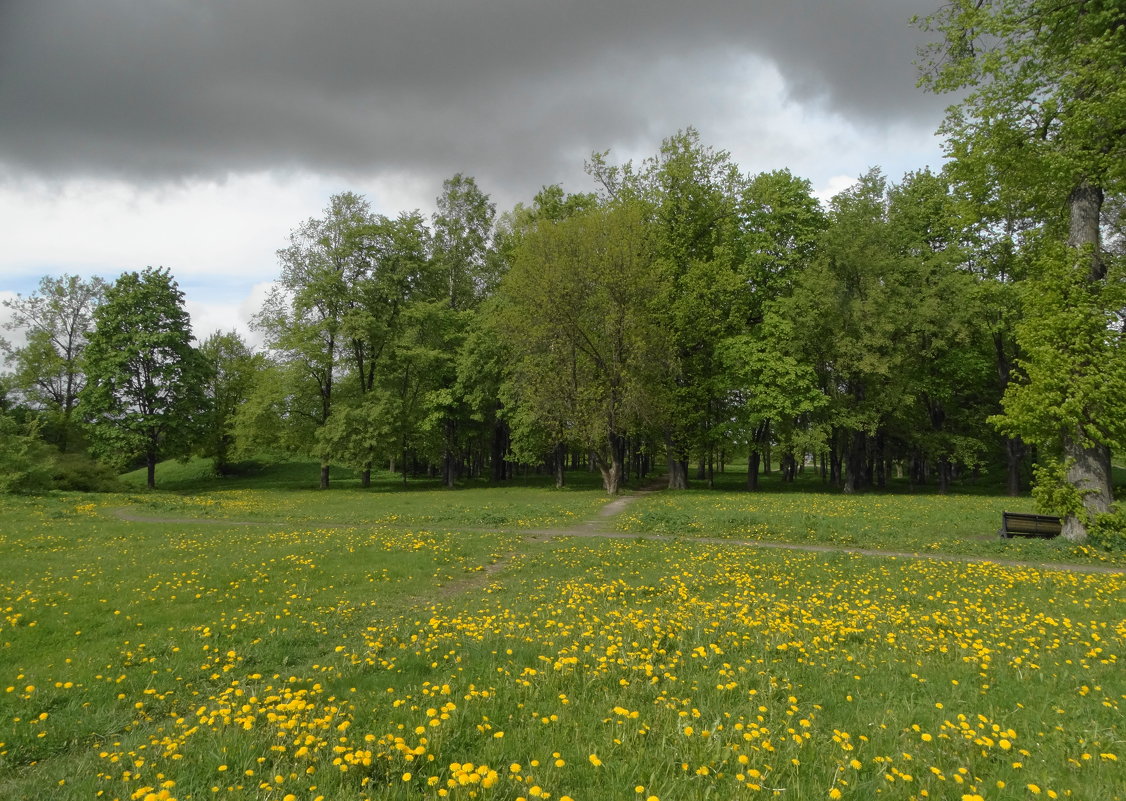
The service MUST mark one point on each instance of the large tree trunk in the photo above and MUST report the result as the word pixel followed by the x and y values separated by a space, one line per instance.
pixel 1085 205
pixel 1088 465
pixel 150 464
pixel 1088 470
pixel 678 467
pixel 611 476
pixel 611 471
pixel 324 476
pixel 678 473
pixel 365 476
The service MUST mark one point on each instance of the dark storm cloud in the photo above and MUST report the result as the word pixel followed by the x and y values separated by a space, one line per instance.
pixel 183 88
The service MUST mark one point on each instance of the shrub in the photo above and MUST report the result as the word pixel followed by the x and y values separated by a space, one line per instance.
pixel 25 462
pixel 80 473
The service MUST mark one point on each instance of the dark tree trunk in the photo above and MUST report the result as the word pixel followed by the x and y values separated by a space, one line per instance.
pixel 1014 455
pixel 944 471
pixel 835 462
pixel 560 463
pixel 753 459
pixel 365 476
pixel 855 467
pixel 496 455
pixel 879 463
pixel 150 465
pixel 612 470
pixel 787 466
pixel 324 476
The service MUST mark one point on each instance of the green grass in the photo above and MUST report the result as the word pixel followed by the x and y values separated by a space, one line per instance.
pixel 379 660
pixel 963 522
pixel 287 493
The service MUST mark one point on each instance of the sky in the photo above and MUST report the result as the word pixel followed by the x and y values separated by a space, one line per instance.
pixel 196 134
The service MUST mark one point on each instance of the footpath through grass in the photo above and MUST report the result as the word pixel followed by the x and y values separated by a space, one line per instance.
pixel 289 661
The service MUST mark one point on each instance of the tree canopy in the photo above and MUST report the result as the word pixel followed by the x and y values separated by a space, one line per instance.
pixel 144 379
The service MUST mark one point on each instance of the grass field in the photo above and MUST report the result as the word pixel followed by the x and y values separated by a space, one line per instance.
pixel 333 651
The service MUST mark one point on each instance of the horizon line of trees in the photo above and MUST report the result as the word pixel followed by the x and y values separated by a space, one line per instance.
pixel 683 312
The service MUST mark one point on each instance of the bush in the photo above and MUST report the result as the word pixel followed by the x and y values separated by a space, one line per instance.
pixel 1109 531
pixel 80 473
pixel 25 462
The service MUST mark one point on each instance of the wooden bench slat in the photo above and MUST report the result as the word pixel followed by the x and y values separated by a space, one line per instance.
pixel 1030 525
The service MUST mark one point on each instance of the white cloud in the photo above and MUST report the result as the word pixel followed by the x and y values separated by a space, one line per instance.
pixel 225 230
pixel 209 317
pixel 16 337
pixel 833 187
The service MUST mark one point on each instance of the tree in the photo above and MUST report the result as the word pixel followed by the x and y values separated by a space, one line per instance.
pixel 304 316
pixel 463 229
pixel 396 273
pixel 782 227
pixel 144 380
pixel 591 346
pixel 231 371
pixel 470 270
pixel 58 318
pixel 691 197
pixel 1046 113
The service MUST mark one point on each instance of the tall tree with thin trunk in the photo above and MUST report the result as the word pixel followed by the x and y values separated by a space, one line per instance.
pixel 463 257
pixel 57 319
pixel 231 371
pixel 304 316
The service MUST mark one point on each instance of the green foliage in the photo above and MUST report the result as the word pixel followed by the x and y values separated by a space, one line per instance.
pixel 1046 108
pixel 1039 137
pixel 1108 531
pixel 462 235
pixel 1073 373
pixel 57 319
pixel 1053 493
pixel 231 371
pixel 144 390
pixel 78 472
pixel 585 291
pixel 25 462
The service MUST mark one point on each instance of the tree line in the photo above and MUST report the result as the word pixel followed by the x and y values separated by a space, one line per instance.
pixel 682 312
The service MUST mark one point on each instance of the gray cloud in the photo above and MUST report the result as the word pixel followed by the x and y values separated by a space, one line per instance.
pixel 511 90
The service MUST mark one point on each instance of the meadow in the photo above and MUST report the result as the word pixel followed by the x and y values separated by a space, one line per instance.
pixel 391 644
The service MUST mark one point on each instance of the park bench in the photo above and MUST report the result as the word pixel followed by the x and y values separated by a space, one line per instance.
pixel 1025 525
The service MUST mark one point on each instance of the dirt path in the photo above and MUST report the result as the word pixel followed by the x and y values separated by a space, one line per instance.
pixel 599 527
